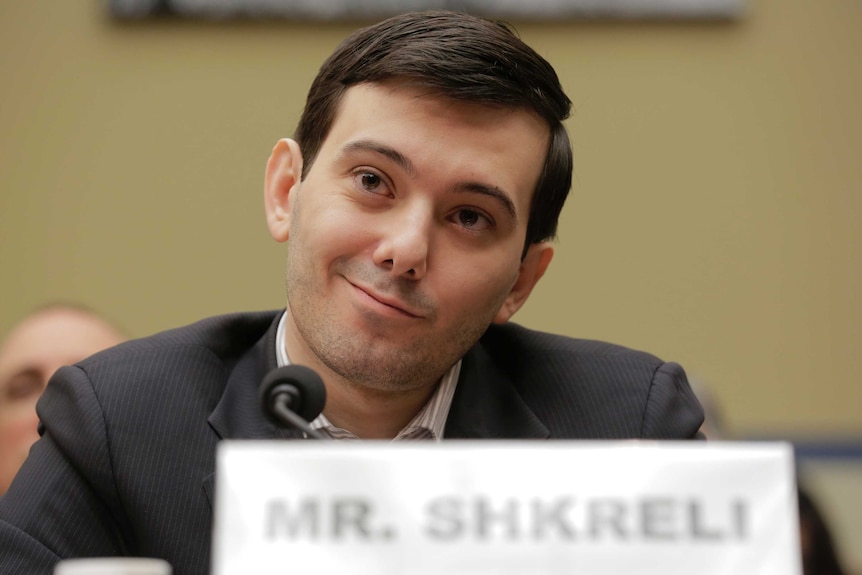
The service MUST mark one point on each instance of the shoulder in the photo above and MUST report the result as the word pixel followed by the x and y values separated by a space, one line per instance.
pixel 185 362
pixel 182 372
pixel 589 388
pixel 524 348
pixel 220 337
pixel 541 364
pixel 221 334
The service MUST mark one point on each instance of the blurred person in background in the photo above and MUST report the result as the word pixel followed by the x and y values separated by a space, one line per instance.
pixel 819 553
pixel 32 351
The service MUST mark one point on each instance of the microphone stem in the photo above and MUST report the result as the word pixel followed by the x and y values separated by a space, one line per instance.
pixel 293 420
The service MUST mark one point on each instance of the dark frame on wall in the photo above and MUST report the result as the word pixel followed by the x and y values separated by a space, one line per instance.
pixel 366 9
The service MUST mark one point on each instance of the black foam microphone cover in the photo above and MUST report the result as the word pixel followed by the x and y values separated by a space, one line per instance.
pixel 300 386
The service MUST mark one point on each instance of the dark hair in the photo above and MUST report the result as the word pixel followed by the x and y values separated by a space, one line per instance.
pixel 462 57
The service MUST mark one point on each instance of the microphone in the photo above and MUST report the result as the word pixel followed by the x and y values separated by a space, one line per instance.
pixel 291 396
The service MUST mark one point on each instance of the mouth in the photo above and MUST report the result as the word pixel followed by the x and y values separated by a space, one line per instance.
pixel 393 304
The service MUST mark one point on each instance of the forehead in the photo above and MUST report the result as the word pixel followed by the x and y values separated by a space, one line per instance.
pixel 501 143
pixel 53 338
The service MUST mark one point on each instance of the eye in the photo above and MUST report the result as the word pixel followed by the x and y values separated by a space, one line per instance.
pixel 473 220
pixel 22 386
pixel 369 181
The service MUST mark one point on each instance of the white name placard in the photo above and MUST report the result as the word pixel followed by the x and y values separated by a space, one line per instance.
pixel 505 508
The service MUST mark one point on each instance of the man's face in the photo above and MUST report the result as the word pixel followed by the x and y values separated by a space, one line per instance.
pixel 406 236
pixel 31 353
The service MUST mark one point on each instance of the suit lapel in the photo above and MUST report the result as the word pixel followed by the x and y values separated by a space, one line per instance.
pixel 487 405
pixel 237 414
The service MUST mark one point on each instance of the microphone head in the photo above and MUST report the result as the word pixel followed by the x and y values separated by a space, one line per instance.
pixel 302 384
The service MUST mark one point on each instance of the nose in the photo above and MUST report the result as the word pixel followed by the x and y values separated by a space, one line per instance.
pixel 403 247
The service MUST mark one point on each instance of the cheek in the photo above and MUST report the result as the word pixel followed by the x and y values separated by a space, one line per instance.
pixel 331 231
pixel 478 284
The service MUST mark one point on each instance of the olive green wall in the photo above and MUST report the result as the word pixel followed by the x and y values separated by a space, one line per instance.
pixel 712 221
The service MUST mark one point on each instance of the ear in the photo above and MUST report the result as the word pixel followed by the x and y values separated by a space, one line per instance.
pixel 532 269
pixel 282 179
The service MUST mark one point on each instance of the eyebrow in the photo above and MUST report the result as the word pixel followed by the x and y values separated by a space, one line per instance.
pixel 493 192
pixel 383 150
pixel 404 162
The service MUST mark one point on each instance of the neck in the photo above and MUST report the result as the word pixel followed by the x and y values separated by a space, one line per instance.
pixel 373 414
pixel 366 411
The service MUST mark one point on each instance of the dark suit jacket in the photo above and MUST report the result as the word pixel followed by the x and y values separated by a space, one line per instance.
pixel 127 457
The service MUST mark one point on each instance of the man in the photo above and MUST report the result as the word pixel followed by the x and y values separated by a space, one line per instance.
pixel 427 174
pixel 33 350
